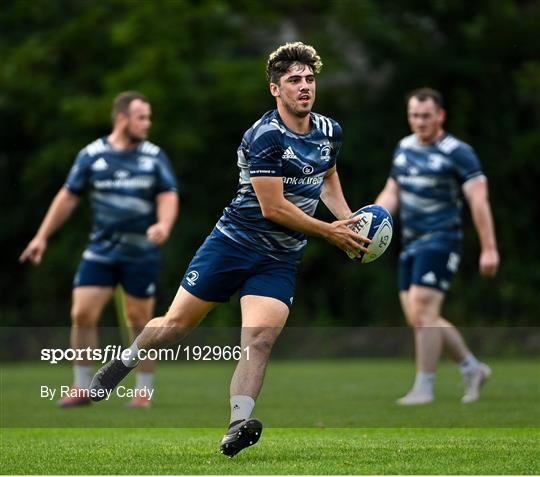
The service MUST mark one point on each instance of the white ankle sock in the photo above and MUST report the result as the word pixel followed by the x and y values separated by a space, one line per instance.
pixel 130 356
pixel 241 407
pixel 469 364
pixel 82 376
pixel 424 382
pixel 144 380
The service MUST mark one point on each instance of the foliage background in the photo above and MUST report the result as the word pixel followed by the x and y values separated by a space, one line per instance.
pixel 202 65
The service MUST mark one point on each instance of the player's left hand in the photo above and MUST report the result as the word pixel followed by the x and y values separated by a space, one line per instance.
pixel 157 233
pixel 489 262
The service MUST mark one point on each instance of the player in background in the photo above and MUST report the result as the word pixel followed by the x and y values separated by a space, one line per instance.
pixel 431 172
pixel 287 162
pixel 134 199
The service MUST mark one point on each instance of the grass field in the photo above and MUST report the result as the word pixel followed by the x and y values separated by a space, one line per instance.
pixel 321 417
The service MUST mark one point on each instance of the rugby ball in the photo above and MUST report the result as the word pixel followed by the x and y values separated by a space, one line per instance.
pixel 376 224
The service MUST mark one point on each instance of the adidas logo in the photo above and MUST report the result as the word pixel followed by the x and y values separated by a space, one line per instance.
pixel 429 278
pixel 289 154
pixel 100 165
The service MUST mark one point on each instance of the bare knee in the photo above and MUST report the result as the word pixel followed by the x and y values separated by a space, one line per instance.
pixel 421 317
pixel 424 309
pixel 137 317
pixel 83 318
pixel 422 320
pixel 411 320
pixel 410 317
pixel 414 313
pixel 175 325
pixel 260 341
pixel 87 305
pixel 139 311
pixel 184 314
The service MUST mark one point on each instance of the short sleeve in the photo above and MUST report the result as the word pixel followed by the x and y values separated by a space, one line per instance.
pixel 336 140
pixel 395 162
pixel 264 154
pixel 167 181
pixel 466 163
pixel 77 178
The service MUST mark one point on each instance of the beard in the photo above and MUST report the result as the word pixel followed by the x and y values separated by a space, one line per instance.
pixel 132 138
pixel 296 111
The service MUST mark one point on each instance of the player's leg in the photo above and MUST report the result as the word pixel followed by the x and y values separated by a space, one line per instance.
pixel 473 372
pixel 139 280
pixel 266 298
pixel 424 308
pixel 87 305
pixel 430 277
pixel 208 280
pixel 421 306
pixel 419 393
pixel 139 312
pixel 421 297
pixel 263 319
pixel 442 266
pixel 453 341
pixel 185 313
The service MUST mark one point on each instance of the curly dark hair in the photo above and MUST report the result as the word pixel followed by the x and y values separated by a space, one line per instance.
pixel 289 54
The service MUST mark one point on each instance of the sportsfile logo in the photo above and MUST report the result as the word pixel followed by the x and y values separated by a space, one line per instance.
pixel 57 355
pixel 186 352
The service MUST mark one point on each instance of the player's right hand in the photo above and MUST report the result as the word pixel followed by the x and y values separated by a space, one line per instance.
pixel 489 262
pixel 34 251
pixel 343 237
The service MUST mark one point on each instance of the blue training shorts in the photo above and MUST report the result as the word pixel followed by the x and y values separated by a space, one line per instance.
pixel 221 267
pixel 138 279
pixel 429 268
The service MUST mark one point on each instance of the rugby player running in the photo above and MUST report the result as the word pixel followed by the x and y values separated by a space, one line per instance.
pixel 287 162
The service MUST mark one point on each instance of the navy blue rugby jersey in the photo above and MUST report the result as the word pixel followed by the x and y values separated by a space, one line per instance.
pixel 430 179
pixel 122 187
pixel 268 148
